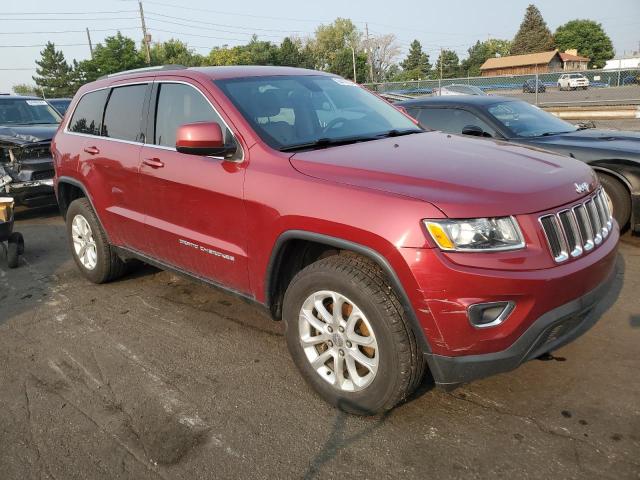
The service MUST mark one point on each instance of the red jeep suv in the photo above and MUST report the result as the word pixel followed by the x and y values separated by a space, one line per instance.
pixel 385 248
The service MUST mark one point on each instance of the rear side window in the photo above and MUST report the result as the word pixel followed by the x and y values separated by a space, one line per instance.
pixel 123 115
pixel 87 117
pixel 179 104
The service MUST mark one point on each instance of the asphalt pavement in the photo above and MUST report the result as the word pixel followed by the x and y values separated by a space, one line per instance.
pixel 154 376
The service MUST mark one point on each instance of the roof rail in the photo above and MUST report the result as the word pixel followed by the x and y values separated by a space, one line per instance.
pixel 144 69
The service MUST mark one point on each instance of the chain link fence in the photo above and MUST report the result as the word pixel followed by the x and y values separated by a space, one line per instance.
pixel 602 87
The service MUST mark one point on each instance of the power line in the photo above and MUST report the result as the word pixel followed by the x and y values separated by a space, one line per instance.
pixel 200 36
pixel 208 28
pixel 224 25
pixel 44 45
pixel 66 19
pixel 69 13
pixel 70 31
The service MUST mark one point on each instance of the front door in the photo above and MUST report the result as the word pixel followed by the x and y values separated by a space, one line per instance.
pixel 194 210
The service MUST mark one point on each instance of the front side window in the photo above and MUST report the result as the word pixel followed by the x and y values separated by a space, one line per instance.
pixel 123 115
pixel 451 120
pixel 178 104
pixel 87 117
pixel 23 111
pixel 526 120
pixel 291 112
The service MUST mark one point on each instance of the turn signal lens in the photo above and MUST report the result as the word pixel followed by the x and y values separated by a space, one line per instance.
pixel 476 234
pixel 440 236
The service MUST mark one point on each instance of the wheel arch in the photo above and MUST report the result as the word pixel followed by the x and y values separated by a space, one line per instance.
pixel 277 277
pixel 69 189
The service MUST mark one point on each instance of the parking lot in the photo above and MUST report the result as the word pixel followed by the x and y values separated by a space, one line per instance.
pixel 154 376
pixel 627 95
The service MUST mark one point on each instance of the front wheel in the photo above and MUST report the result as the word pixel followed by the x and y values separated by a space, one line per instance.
pixel 348 335
pixel 620 200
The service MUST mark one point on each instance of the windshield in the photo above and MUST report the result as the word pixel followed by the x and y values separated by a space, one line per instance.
pixel 21 111
pixel 466 89
pixel 526 120
pixel 61 105
pixel 290 112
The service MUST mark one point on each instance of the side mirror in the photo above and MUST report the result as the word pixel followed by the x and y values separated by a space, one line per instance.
pixel 474 131
pixel 202 138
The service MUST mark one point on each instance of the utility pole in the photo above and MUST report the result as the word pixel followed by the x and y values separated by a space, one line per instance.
pixel 353 53
pixel 369 50
pixel 90 44
pixel 146 37
pixel 440 82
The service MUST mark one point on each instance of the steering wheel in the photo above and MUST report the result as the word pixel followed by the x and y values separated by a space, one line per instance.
pixel 333 123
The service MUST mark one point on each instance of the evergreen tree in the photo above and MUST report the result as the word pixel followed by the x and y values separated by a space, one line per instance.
pixel 53 75
pixel 416 65
pixel 534 35
pixel 450 63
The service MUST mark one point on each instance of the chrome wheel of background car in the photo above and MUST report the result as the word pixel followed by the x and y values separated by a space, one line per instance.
pixel 83 242
pixel 338 341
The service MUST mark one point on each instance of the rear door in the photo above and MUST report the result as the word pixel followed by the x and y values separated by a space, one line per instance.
pixel 195 219
pixel 115 163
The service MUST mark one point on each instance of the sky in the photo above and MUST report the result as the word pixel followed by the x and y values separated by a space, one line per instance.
pixel 26 25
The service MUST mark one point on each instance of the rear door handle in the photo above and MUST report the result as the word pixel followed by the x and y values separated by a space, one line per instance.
pixel 153 162
pixel 92 150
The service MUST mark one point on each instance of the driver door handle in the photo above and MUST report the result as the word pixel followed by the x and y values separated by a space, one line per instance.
pixel 92 150
pixel 153 162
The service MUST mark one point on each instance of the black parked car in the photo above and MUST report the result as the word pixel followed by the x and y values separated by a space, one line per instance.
pixel 27 125
pixel 530 86
pixel 60 104
pixel 614 155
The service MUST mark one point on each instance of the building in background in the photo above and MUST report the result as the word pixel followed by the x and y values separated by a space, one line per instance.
pixel 542 62
pixel 626 61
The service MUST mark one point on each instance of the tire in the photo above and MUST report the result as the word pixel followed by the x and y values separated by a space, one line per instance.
pixel 15 248
pixel 620 199
pixel 105 266
pixel 362 284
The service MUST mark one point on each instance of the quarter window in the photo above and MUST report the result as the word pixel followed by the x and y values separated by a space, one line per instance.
pixel 179 104
pixel 87 117
pixel 122 118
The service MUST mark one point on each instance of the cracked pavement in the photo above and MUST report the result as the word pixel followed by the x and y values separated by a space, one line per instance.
pixel 155 376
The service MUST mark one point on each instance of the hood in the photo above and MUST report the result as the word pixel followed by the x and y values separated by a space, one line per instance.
pixel 594 144
pixel 24 134
pixel 463 177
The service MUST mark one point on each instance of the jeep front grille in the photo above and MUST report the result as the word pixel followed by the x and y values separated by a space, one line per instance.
pixel 576 230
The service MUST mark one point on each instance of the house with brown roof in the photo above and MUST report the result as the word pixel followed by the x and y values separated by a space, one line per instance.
pixel 542 62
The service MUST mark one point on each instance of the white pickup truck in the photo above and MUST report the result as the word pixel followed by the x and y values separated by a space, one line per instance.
pixel 573 81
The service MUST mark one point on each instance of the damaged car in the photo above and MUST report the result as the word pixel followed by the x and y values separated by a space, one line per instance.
pixel 27 125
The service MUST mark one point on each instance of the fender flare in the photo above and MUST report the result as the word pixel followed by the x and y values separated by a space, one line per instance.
pixel 80 185
pixel 379 259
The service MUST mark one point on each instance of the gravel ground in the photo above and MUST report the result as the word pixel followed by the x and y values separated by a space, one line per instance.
pixel 154 376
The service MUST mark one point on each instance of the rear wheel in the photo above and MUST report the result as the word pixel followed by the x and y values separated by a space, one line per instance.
pixel 348 335
pixel 619 197
pixel 15 248
pixel 92 253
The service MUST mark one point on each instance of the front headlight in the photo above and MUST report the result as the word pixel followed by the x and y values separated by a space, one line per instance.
pixel 476 234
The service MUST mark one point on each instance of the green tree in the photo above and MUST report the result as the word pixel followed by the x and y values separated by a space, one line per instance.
pixel 342 65
pixel 174 52
pixel 416 65
pixel 589 38
pixel 481 52
pixel 117 54
pixel 448 63
pixel 84 71
pixel 26 89
pixel 293 54
pixel 53 74
pixel 534 35
pixel 332 41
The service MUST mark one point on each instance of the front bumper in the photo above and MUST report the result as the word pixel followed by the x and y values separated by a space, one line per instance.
pixel 32 194
pixel 549 332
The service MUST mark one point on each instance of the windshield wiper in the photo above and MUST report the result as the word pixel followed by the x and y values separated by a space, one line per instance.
pixel 399 133
pixel 326 142
pixel 548 134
